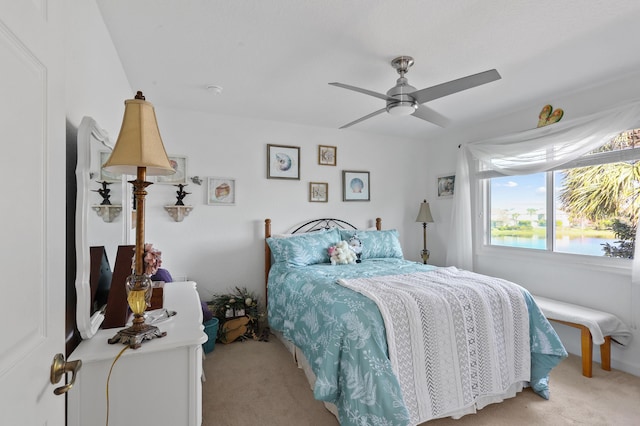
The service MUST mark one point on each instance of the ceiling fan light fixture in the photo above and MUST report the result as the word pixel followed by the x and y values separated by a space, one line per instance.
pixel 402 108
pixel 404 99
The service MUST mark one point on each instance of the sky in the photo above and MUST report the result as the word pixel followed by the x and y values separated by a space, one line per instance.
pixel 519 193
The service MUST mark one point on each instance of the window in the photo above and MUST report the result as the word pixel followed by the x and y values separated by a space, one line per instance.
pixel 588 207
pixel 518 211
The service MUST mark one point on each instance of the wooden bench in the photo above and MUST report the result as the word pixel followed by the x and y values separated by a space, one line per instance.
pixel 590 322
pixel 586 343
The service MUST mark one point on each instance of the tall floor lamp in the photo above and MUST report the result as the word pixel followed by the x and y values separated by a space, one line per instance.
pixel 424 216
pixel 139 151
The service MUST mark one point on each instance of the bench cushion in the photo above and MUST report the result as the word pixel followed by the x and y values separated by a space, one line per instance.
pixel 599 323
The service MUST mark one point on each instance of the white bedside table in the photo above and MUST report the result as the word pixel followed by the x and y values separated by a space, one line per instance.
pixel 157 384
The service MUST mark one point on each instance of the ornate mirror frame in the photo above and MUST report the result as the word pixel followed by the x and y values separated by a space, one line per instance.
pixel 91 139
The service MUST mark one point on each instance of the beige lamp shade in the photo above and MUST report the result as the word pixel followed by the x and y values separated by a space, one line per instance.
pixel 139 143
pixel 424 215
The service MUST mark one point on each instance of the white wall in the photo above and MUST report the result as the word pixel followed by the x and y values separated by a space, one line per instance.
pixel 96 86
pixel 222 247
pixel 568 278
pixel 96 83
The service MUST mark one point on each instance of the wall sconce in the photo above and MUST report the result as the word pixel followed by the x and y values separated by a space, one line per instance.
pixel 178 213
pixel 107 212
pixel 139 151
pixel 424 216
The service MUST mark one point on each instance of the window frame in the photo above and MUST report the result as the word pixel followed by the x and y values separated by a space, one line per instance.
pixel 481 181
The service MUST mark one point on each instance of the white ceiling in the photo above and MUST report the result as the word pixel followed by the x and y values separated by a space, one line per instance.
pixel 275 58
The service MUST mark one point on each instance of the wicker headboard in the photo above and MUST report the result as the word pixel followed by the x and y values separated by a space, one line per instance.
pixel 311 226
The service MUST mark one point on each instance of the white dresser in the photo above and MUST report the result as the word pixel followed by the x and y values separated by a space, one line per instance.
pixel 158 384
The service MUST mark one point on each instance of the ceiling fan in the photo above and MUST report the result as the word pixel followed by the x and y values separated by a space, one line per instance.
pixel 404 99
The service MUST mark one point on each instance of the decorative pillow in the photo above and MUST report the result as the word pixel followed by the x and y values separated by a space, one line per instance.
pixel 303 249
pixel 376 244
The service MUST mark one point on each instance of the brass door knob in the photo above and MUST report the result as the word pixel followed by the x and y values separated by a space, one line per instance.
pixel 59 368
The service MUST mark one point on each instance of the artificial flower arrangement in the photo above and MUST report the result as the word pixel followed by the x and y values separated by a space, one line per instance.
pixel 241 303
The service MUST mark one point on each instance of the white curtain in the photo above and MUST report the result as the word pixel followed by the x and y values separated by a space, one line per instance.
pixel 534 151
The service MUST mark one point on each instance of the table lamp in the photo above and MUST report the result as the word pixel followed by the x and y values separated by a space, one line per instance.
pixel 139 151
pixel 424 216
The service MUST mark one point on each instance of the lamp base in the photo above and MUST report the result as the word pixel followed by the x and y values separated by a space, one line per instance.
pixel 135 335
pixel 425 256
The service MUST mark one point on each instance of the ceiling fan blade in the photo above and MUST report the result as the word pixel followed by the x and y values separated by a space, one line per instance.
pixel 358 89
pixel 364 118
pixel 431 116
pixel 454 86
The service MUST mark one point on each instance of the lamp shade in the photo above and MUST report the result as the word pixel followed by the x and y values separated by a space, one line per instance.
pixel 424 215
pixel 139 143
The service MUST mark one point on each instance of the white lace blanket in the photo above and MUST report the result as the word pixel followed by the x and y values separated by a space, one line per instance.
pixel 457 340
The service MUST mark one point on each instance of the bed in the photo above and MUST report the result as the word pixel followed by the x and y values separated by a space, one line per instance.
pixel 393 342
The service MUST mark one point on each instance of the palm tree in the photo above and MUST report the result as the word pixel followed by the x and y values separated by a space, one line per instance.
pixel 602 192
pixel 607 191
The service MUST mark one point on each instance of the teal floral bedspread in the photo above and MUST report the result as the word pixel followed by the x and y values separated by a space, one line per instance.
pixel 342 335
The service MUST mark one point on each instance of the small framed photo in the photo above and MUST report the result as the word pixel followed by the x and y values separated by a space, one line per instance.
pixel 221 191
pixel 355 186
pixel 318 192
pixel 179 164
pixel 283 162
pixel 446 185
pixel 327 155
pixel 106 176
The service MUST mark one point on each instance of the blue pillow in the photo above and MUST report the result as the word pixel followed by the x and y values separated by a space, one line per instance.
pixel 376 244
pixel 304 249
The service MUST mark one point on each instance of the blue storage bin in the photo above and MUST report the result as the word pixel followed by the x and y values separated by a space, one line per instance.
pixel 211 329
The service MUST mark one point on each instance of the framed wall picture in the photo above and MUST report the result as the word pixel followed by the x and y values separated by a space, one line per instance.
pixel 221 191
pixel 179 164
pixel 327 155
pixel 283 162
pixel 106 176
pixel 355 186
pixel 318 192
pixel 446 185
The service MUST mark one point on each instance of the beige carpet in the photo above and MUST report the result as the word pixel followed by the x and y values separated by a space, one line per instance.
pixel 251 382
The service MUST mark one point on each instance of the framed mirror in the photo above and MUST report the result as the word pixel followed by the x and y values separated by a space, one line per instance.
pixel 97 224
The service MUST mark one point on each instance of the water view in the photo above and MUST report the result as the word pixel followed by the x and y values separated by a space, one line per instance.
pixel 581 245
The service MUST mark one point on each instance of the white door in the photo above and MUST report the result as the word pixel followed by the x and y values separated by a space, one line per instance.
pixel 32 209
